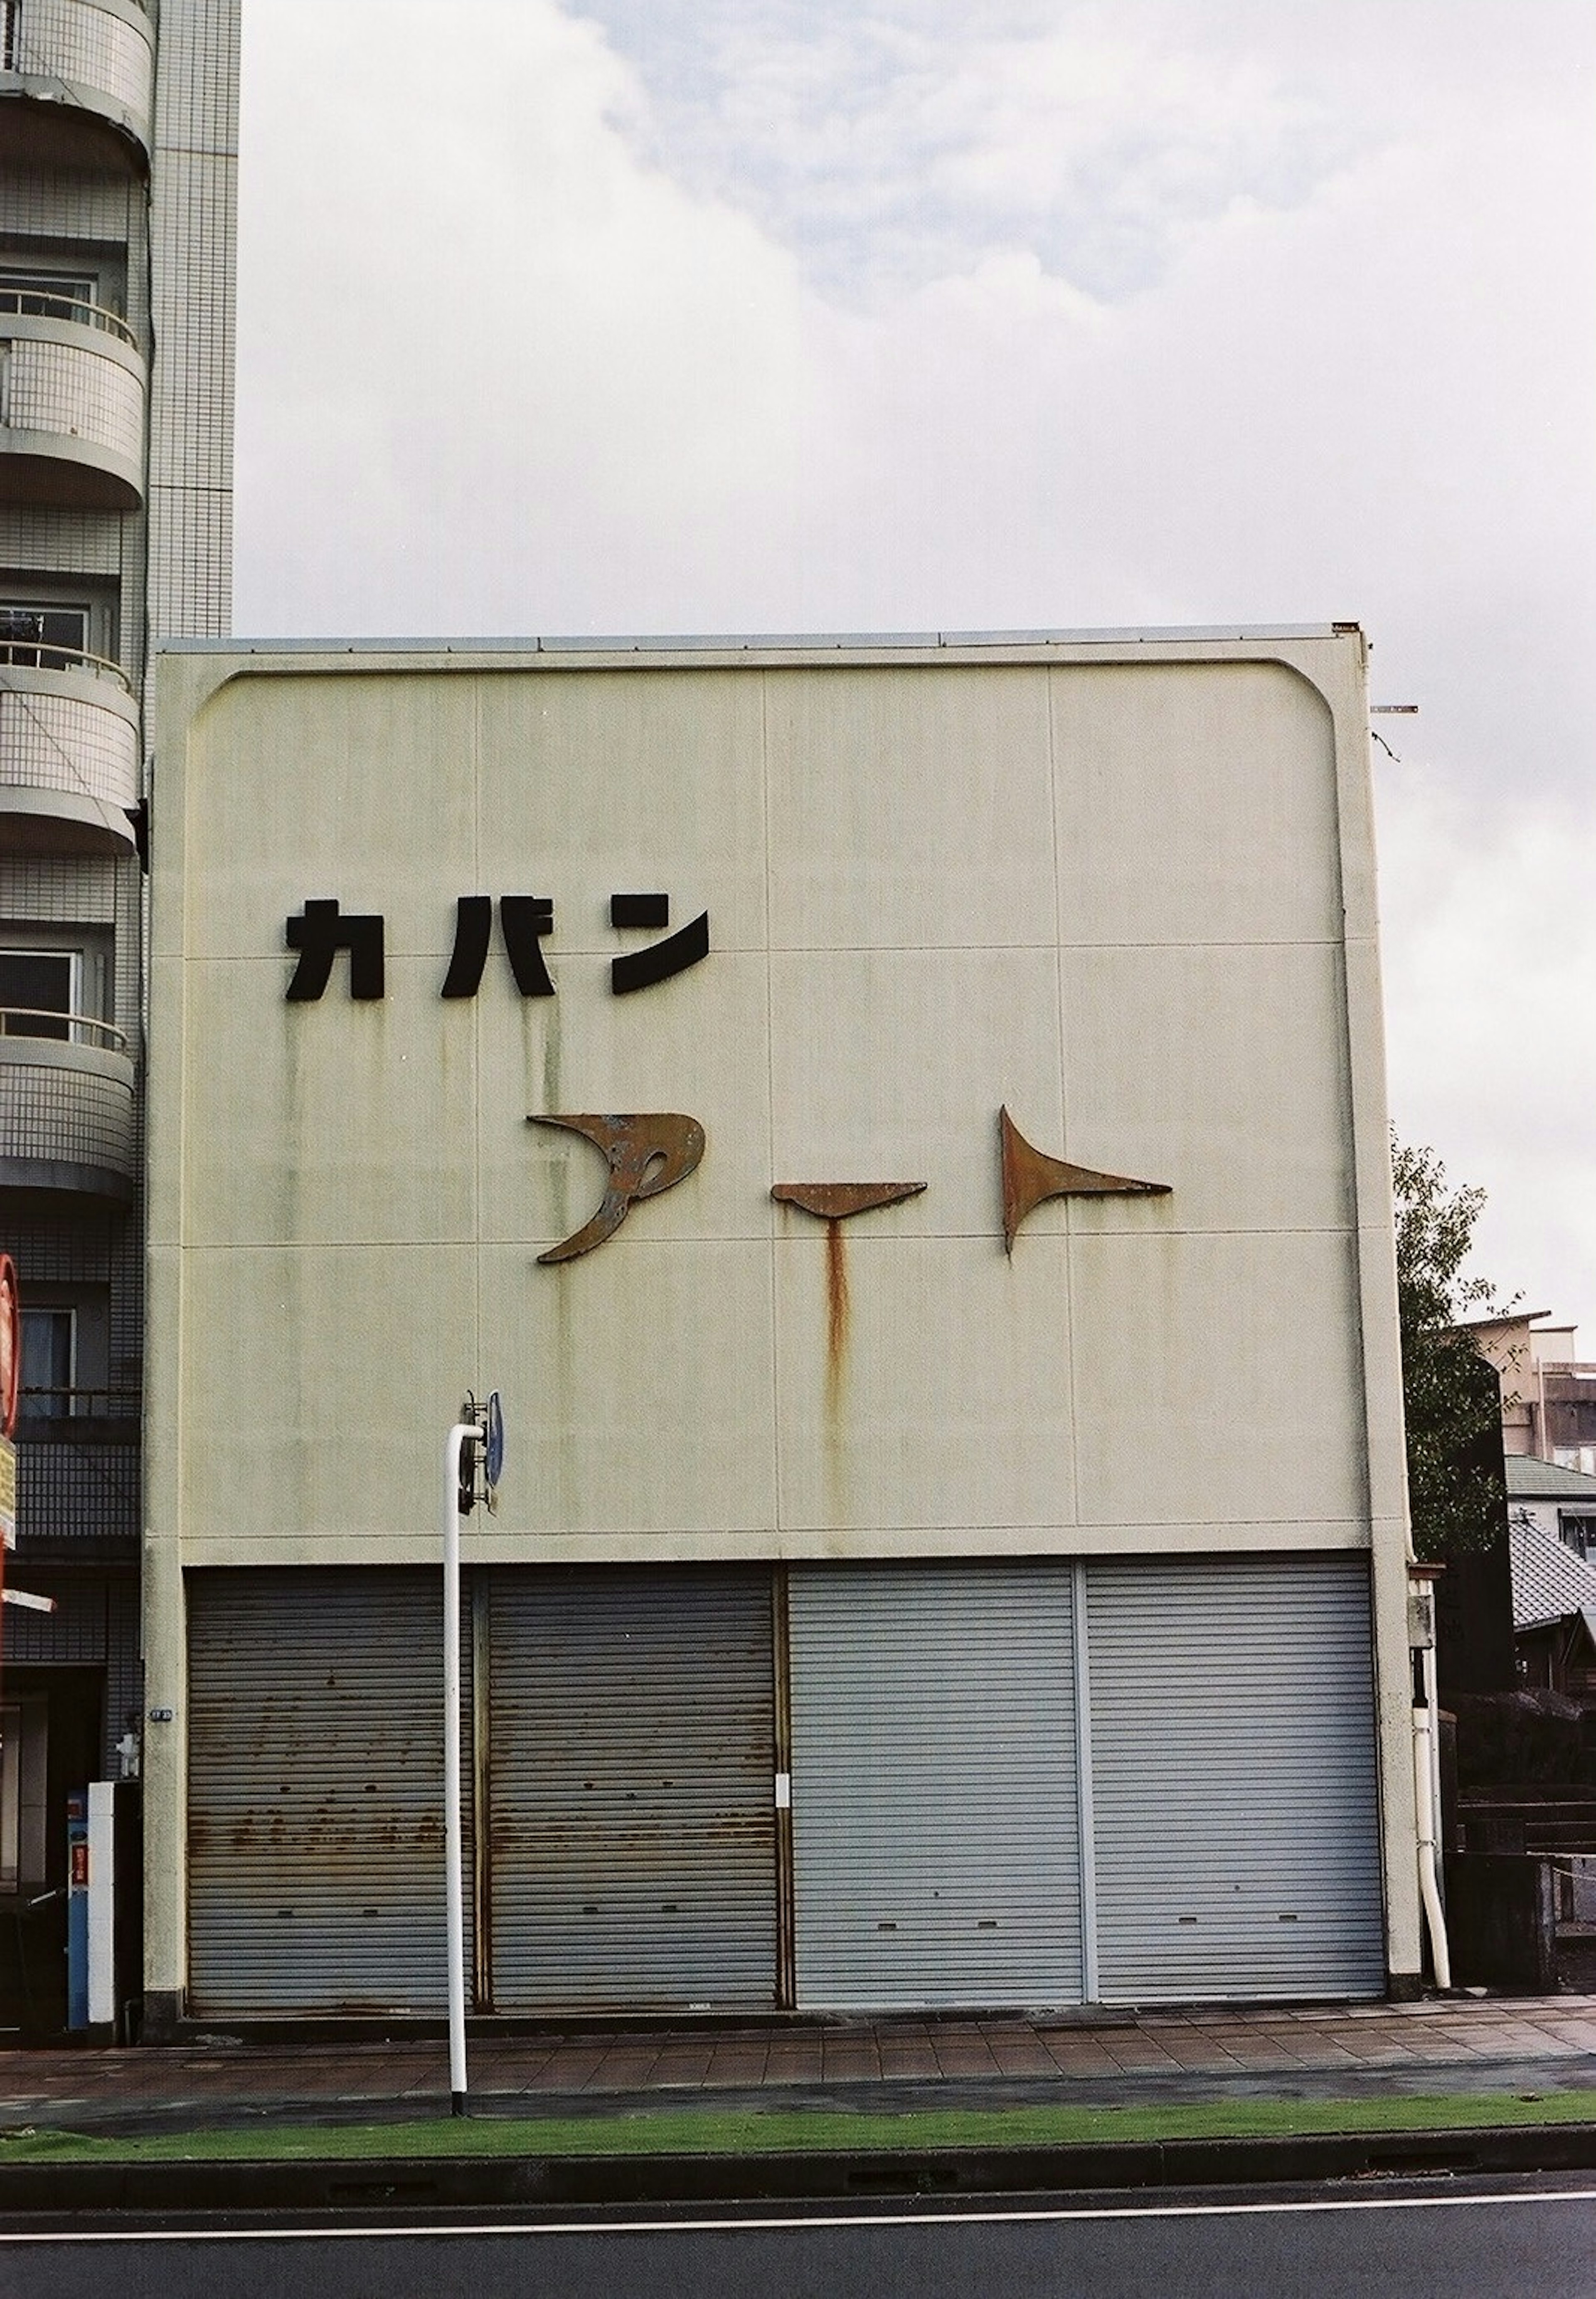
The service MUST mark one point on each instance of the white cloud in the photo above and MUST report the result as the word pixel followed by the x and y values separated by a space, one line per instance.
pixel 1176 314
pixel 894 145
pixel 1490 953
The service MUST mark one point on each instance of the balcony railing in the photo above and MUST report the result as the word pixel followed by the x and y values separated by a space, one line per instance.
pixel 43 1404
pixel 65 1029
pixel 37 303
pixel 35 654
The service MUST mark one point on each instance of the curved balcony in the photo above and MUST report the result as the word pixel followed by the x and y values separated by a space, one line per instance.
pixel 66 1107
pixel 98 55
pixel 72 404
pixel 68 750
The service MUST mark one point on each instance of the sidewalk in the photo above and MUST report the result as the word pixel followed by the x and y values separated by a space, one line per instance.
pixel 1511 2046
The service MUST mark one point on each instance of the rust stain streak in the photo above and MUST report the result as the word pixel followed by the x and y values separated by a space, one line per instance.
pixel 836 1309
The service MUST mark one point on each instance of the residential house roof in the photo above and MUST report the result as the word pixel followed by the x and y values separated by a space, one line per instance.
pixel 1549 1582
pixel 1529 1480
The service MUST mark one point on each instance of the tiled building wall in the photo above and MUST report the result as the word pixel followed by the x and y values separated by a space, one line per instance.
pixel 74 40
pixel 76 393
pixel 73 1114
pixel 60 743
pixel 194 219
pixel 165 257
pixel 44 210
pixel 65 889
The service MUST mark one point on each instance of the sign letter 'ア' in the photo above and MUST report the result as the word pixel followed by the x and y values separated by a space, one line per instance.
pixel 648 1154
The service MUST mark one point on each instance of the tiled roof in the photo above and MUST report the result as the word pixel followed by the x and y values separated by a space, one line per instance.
pixel 1529 1480
pixel 1549 1582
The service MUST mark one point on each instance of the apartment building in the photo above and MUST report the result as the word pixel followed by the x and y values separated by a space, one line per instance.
pixel 118 157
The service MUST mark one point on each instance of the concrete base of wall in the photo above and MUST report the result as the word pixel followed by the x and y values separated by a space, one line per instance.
pixel 162 2019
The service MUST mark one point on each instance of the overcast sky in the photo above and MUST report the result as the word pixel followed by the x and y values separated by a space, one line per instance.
pixel 793 315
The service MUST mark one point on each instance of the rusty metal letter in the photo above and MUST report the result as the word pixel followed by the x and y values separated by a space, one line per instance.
pixel 648 1154
pixel 837 1200
pixel 1030 1177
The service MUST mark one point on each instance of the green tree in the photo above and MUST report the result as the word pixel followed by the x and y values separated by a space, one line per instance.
pixel 1451 1398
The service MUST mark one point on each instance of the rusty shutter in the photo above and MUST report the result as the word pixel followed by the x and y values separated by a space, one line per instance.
pixel 315 1793
pixel 631 1762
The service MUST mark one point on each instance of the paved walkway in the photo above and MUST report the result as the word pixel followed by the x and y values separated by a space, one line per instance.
pixel 1509 2044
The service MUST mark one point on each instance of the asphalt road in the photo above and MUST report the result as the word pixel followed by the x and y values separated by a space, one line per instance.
pixel 1487 2238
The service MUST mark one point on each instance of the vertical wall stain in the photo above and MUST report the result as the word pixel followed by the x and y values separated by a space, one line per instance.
pixel 837 1315
pixel 837 1370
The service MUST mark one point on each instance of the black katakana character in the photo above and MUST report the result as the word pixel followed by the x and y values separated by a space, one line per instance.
pixel 319 934
pixel 641 968
pixel 524 919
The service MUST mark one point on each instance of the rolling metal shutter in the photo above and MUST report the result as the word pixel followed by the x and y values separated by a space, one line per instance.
pixel 315 1793
pixel 632 1763
pixel 1233 1762
pixel 936 1855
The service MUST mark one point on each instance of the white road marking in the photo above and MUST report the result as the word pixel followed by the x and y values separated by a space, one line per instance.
pixel 409 2233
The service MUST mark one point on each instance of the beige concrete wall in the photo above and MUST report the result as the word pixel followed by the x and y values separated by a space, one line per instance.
pixel 1126 890
pixel 1108 895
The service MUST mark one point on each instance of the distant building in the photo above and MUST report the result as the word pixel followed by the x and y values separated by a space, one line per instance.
pixel 117 163
pixel 1548 1396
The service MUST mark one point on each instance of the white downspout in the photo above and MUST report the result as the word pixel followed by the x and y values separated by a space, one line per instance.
pixel 1425 1754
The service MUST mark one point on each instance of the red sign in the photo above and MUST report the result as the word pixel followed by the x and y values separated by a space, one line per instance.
pixel 11 1345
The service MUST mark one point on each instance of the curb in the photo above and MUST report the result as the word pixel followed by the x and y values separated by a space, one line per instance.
pixel 433 2184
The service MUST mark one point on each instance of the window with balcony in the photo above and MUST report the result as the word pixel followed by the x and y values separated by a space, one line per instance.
pixel 56 983
pixel 49 1362
pixel 86 294
pixel 39 993
pixel 35 636
pixel 66 1361
pixel 50 294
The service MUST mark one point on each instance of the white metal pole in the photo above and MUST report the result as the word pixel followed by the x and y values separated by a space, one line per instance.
pixel 462 1433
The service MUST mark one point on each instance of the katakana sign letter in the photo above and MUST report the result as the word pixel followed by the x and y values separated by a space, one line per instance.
pixel 525 919
pixel 640 969
pixel 473 924
pixel 648 1154
pixel 319 934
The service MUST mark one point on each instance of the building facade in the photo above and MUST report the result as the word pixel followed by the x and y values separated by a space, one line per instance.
pixel 873 1110
pixel 117 177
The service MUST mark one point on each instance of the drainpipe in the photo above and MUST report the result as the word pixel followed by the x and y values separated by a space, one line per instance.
pixel 1422 1635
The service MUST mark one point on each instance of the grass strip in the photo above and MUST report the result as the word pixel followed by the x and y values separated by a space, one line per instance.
pixel 695 2131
